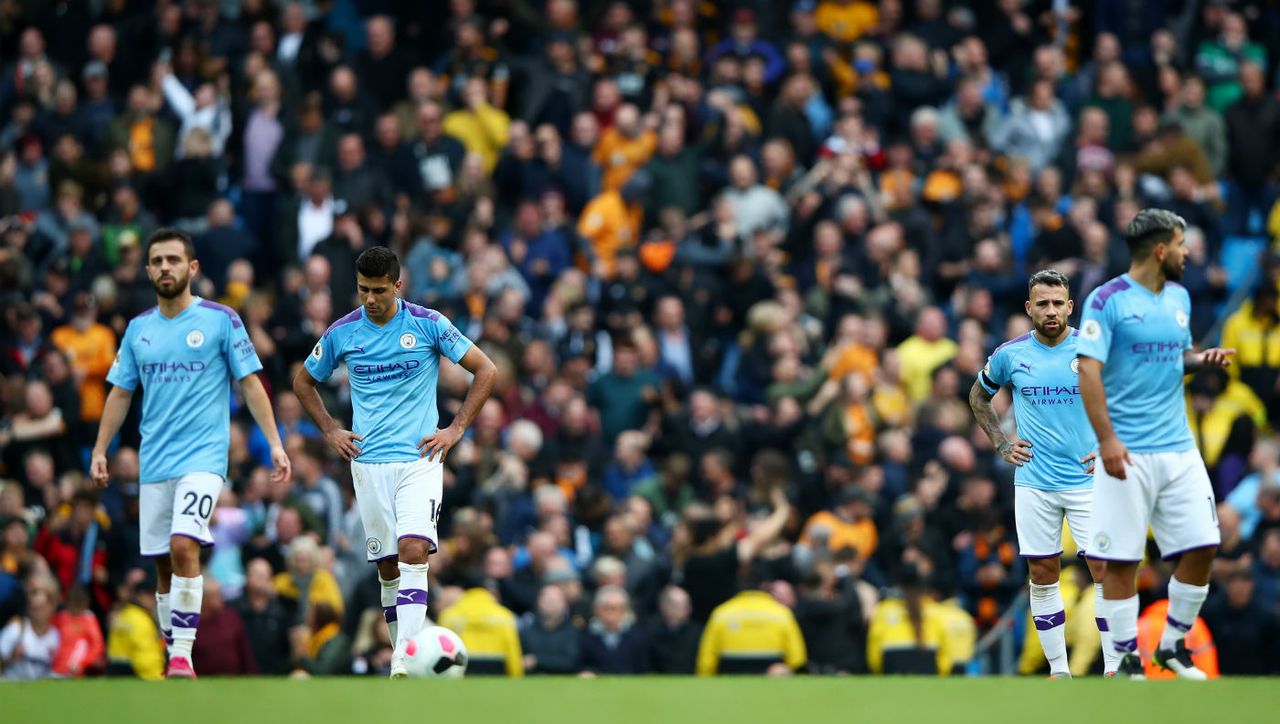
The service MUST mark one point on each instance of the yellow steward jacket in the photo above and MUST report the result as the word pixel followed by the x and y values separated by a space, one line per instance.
pixel 892 646
pixel 488 630
pixel 749 633
pixel 134 638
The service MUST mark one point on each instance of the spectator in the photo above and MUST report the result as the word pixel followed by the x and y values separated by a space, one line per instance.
pixel 1202 123
pixel 266 623
pixel 148 139
pixel 305 584
pixel 1250 162
pixel 848 525
pixel 674 636
pixel 1035 129
pixel 1219 61
pixel 29 643
pixel 550 641
pixel 612 644
pixel 320 648
pixel 925 351
pixel 1244 633
pixel 222 648
pixel 90 347
pixel 80 643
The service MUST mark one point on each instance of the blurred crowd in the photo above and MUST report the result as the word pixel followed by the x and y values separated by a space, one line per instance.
pixel 738 264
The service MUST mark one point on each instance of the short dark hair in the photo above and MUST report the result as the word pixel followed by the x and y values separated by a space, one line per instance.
pixel 378 262
pixel 1151 227
pixel 170 234
pixel 1048 278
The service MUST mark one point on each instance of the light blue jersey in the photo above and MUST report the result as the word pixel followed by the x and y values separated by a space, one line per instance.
pixel 1046 403
pixel 393 371
pixel 1139 337
pixel 185 366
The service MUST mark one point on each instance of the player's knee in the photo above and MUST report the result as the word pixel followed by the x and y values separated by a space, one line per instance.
pixel 184 552
pixel 388 569
pixel 414 550
pixel 1044 571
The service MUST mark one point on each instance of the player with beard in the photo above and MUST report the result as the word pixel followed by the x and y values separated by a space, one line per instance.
pixel 1054 454
pixel 1135 348
pixel 184 352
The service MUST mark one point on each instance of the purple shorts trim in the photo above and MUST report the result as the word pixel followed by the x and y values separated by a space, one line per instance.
pixel 1175 554
pixel 203 544
pixel 1093 557
pixel 376 560
pixel 433 548
pixel 1040 557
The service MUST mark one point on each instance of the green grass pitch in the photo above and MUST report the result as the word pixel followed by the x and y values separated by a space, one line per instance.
pixel 798 700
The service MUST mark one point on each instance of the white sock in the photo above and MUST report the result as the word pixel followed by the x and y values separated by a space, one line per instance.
pixel 1184 605
pixel 389 590
pixel 411 602
pixel 1110 659
pixel 1122 619
pixel 163 615
pixel 186 595
pixel 1050 619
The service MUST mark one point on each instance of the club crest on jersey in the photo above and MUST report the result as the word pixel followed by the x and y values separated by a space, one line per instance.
pixel 1091 329
pixel 374 545
pixel 1180 317
pixel 195 339
pixel 318 352
pixel 1102 542
pixel 1075 365
pixel 408 341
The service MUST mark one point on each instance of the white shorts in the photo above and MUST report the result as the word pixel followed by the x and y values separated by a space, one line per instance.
pixel 398 500
pixel 1038 516
pixel 1168 491
pixel 177 506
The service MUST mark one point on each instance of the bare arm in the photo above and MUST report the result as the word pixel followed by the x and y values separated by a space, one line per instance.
pixel 484 374
pixel 1014 452
pixel 255 396
pixel 985 414
pixel 769 530
pixel 1113 452
pixel 113 414
pixel 344 441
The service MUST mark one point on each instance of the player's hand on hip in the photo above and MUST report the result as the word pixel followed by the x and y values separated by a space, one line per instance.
pixel 1115 456
pixel 280 461
pixel 344 441
pixel 1090 461
pixel 441 442
pixel 1016 452
pixel 98 470
pixel 1217 357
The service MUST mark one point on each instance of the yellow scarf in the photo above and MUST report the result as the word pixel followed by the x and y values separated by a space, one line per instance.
pixel 322 637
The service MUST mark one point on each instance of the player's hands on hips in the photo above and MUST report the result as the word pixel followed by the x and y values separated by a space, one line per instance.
pixel 1090 461
pixel 441 442
pixel 98 470
pixel 1217 357
pixel 1015 452
pixel 344 441
pixel 1114 457
pixel 280 461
